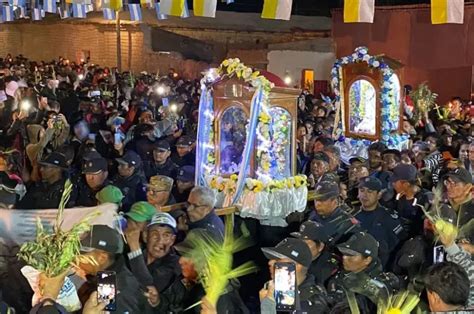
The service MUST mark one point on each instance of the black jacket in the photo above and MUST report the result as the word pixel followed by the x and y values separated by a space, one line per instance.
pixel 131 188
pixel 130 294
pixel 85 195
pixel 161 273
pixel 179 297
pixel 169 169
pixel 369 286
pixel 42 195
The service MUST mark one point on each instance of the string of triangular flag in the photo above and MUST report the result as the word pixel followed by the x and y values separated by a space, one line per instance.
pixel 355 11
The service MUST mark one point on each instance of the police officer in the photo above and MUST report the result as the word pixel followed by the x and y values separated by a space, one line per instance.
pixel 382 224
pixel 184 155
pixel 129 179
pixel 362 275
pixel 47 193
pixel 358 168
pixel 162 164
pixel 311 297
pixel 324 263
pixel 94 178
pixel 319 167
pixel 409 199
pixel 184 183
pixel 330 214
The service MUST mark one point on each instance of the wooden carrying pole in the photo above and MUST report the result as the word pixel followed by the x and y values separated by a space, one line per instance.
pixel 219 211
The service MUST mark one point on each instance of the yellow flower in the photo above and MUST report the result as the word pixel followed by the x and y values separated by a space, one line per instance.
pixel 264 117
pixel 255 75
pixel 394 311
pixel 265 165
pixel 258 186
pixel 234 177
pixel 225 63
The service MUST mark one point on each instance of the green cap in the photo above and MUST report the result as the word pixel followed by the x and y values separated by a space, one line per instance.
pixel 141 211
pixel 110 194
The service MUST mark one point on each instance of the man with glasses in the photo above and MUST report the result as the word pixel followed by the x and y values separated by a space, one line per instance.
pixel 201 211
pixel 458 185
pixel 158 191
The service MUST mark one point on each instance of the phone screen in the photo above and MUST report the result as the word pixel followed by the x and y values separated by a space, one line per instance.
pixel 285 286
pixel 107 289
pixel 438 254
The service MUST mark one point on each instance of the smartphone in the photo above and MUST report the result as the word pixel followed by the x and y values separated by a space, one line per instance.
pixel 285 286
pixel 165 102
pixel 107 289
pixel 439 254
pixel 95 93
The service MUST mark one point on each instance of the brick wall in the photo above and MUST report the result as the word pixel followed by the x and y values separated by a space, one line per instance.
pixel 45 41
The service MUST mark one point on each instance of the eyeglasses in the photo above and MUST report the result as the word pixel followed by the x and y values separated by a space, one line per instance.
pixel 451 183
pixel 152 191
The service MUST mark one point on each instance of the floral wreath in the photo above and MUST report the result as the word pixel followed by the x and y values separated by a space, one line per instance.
pixel 389 108
pixel 228 185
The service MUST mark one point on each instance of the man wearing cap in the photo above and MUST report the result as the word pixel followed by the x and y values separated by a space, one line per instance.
pixel 184 155
pixel 105 246
pixel 319 166
pixel 408 199
pixel 324 263
pixel 330 214
pixel 161 163
pixel 458 185
pixel 311 298
pixel 390 159
pixel 158 265
pixel 47 193
pixel 158 191
pixel 383 225
pixel 129 179
pixel 358 168
pixel 184 183
pixel 187 290
pixel 362 274
pixel 94 179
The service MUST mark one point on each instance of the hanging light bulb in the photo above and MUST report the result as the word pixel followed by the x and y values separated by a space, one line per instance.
pixel 287 79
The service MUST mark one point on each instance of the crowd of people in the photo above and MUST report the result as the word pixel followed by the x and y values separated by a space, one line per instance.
pixel 130 139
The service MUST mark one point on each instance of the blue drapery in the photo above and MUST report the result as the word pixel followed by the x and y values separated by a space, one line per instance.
pixel 206 109
pixel 251 133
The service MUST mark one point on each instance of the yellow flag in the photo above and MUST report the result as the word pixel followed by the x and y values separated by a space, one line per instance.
pixel 447 11
pixel 359 11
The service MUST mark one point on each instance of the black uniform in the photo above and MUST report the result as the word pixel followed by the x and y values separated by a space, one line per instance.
pixel 384 226
pixel 368 286
pixel 42 195
pixel 85 195
pixel 131 188
pixel 341 224
pixel 324 267
pixel 169 169
pixel 187 160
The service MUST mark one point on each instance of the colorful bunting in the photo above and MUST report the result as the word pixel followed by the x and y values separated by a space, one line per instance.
pixel 159 15
pixel 109 14
pixel 135 12
pixel 37 14
pixel 7 13
pixel 447 11
pixel 359 11
pixel 49 6
pixel 206 8
pixel 277 9
pixel 79 10
pixel 173 7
